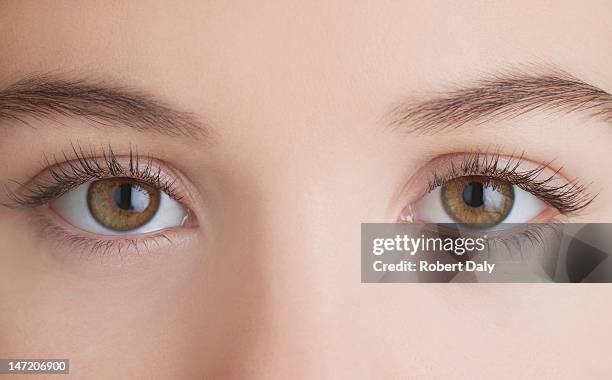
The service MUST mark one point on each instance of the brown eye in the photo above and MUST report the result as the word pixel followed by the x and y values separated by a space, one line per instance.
pixel 122 204
pixel 477 200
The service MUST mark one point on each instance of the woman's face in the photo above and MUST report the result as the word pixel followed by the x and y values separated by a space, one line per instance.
pixel 267 133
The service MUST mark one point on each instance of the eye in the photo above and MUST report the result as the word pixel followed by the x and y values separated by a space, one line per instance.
pixel 118 206
pixel 477 200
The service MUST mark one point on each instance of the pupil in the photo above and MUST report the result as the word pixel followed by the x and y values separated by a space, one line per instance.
pixel 123 196
pixel 473 194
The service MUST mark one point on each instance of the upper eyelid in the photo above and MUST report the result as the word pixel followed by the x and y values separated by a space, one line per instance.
pixel 487 165
pixel 568 196
pixel 59 178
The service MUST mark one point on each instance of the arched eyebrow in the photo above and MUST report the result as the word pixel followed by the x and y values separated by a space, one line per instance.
pixel 51 96
pixel 502 97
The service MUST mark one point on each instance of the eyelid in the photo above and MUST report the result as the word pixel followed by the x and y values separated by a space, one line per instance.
pixel 567 196
pixel 81 167
pixel 72 242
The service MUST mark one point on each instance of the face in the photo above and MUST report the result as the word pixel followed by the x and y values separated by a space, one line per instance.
pixel 185 184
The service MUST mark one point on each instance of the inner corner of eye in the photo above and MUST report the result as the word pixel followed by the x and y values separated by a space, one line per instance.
pixel 120 206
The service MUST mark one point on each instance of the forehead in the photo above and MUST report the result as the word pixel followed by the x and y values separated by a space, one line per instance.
pixel 306 58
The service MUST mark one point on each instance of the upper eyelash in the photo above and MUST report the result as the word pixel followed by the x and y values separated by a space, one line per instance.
pixel 568 198
pixel 85 166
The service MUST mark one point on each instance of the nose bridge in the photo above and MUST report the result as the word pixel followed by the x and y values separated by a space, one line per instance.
pixel 293 253
pixel 303 264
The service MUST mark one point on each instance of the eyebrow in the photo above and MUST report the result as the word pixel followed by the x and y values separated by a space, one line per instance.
pixel 502 97
pixel 47 97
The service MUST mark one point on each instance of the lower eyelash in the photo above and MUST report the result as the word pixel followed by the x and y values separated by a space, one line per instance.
pixel 89 247
pixel 517 241
pixel 82 166
pixel 531 236
pixel 568 198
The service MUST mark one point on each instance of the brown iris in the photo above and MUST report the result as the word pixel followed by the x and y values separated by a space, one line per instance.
pixel 122 204
pixel 478 200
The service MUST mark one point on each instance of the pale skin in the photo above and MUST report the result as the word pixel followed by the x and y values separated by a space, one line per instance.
pixel 299 153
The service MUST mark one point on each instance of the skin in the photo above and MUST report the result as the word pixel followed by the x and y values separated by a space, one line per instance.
pixel 294 94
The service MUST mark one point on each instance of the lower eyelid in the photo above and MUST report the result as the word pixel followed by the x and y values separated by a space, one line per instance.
pixel 65 238
pixel 71 252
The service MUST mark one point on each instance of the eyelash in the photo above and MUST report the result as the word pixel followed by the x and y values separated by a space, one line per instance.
pixel 569 198
pixel 98 247
pixel 78 168
pixel 85 166
pixel 82 166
